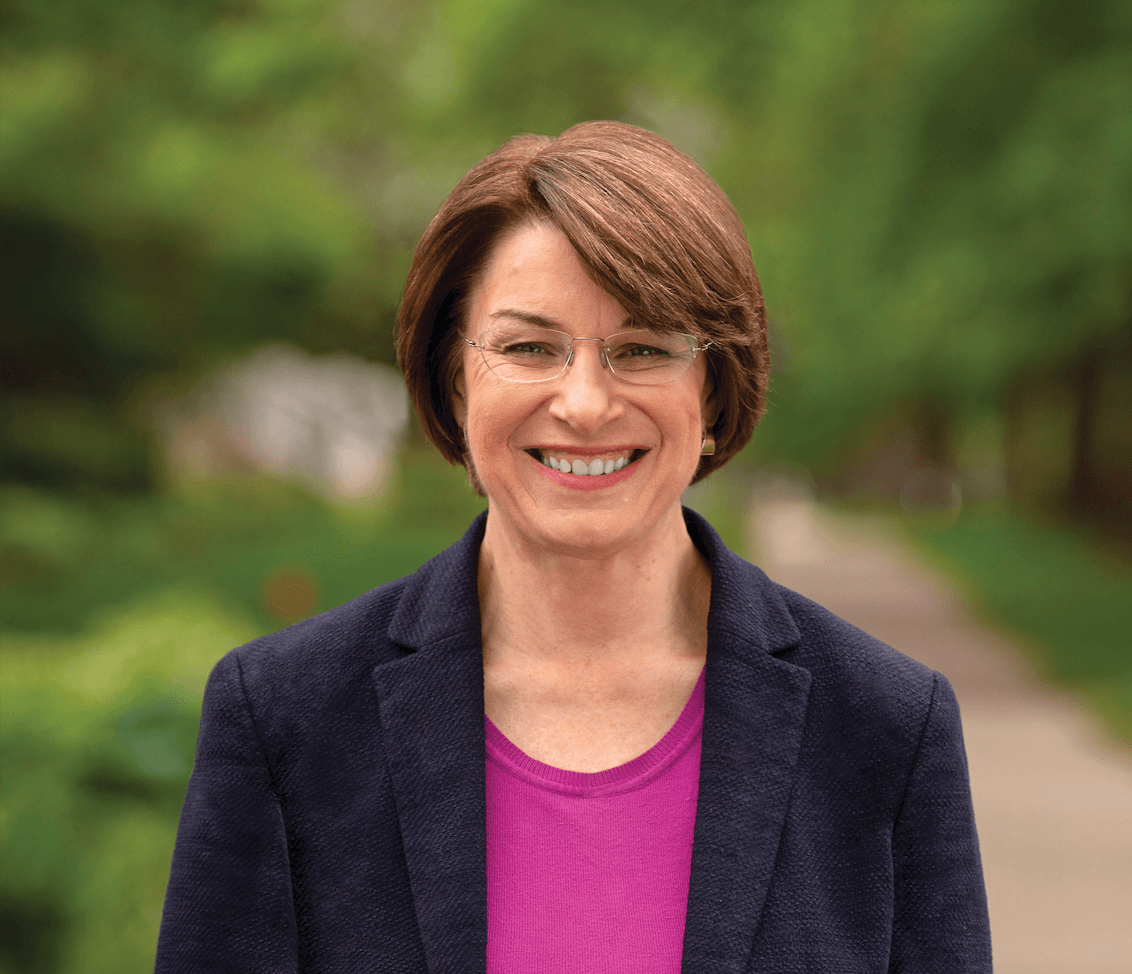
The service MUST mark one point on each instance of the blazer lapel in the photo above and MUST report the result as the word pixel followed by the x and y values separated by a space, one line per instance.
pixel 431 710
pixel 754 714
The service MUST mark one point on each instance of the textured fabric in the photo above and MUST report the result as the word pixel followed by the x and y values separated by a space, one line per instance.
pixel 335 818
pixel 588 873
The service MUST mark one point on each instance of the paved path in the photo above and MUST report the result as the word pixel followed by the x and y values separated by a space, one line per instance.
pixel 1052 792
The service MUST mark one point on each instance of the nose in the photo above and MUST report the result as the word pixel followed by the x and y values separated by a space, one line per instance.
pixel 586 397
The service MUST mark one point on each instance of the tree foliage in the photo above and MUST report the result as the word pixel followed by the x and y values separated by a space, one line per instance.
pixel 162 206
pixel 955 179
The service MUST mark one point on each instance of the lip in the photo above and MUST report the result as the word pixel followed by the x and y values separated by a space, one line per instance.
pixel 574 482
pixel 587 451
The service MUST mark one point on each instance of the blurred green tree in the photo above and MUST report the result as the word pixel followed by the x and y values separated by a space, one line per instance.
pixel 164 204
pixel 940 192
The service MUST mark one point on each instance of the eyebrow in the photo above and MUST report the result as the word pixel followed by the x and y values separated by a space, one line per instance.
pixel 541 321
pixel 529 317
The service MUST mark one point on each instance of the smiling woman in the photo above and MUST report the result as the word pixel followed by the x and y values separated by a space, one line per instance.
pixel 588 737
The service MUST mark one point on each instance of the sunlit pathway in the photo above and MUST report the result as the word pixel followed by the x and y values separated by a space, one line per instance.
pixel 1052 792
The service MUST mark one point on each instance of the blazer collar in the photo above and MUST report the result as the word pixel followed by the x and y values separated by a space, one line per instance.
pixel 754 713
pixel 430 703
pixel 431 708
pixel 441 599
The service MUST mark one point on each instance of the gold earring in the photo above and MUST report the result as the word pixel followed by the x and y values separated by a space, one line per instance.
pixel 707 447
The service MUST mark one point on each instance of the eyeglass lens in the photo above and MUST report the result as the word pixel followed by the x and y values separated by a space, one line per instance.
pixel 525 353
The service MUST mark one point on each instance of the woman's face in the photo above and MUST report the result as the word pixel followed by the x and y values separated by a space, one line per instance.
pixel 586 414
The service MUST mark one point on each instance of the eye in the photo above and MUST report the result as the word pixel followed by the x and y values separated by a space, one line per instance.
pixel 527 345
pixel 638 350
pixel 633 354
pixel 527 349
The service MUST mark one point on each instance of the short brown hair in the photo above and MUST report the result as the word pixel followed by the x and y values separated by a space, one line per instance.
pixel 651 229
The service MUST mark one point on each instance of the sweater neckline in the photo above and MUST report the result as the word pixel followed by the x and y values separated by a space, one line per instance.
pixel 624 778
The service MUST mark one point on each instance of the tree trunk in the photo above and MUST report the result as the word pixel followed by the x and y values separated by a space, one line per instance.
pixel 1084 498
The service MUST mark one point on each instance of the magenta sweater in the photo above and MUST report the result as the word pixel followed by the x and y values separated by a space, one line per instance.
pixel 588 873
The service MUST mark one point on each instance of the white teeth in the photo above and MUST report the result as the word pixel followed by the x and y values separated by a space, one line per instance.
pixel 581 468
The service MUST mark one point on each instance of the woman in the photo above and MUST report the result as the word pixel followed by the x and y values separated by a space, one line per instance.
pixel 587 737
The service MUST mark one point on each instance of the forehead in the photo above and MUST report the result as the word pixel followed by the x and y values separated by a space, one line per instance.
pixel 534 271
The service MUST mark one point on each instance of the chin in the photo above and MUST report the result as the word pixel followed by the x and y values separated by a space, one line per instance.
pixel 589 533
pixel 590 545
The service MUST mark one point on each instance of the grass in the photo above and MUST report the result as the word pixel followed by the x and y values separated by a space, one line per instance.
pixel 1065 594
pixel 66 560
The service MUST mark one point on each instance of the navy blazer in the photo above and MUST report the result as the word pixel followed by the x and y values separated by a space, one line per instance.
pixel 335 819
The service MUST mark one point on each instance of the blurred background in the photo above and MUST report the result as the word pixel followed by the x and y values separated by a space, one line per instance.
pixel 207 211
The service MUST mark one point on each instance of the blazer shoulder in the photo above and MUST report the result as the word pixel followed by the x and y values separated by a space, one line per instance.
pixel 856 674
pixel 761 616
pixel 311 659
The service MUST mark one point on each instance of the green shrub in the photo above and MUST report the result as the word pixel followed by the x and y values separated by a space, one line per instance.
pixel 97 737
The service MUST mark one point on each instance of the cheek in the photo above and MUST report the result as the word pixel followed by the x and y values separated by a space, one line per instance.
pixel 490 429
pixel 682 416
pixel 494 415
pixel 691 429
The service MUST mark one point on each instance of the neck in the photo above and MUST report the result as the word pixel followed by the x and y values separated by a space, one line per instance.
pixel 646 603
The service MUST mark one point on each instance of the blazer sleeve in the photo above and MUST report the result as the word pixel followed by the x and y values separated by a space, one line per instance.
pixel 940 906
pixel 228 906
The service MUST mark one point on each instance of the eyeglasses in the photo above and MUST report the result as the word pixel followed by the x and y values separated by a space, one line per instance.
pixel 527 353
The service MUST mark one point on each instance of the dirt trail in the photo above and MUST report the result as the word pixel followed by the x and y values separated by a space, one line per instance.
pixel 1052 791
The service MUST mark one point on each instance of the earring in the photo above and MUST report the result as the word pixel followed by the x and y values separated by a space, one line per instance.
pixel 707 447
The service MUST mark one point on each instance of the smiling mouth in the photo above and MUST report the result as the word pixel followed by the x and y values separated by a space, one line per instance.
pixel 596 466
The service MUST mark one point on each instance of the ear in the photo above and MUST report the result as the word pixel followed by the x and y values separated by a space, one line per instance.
pixel 460 400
